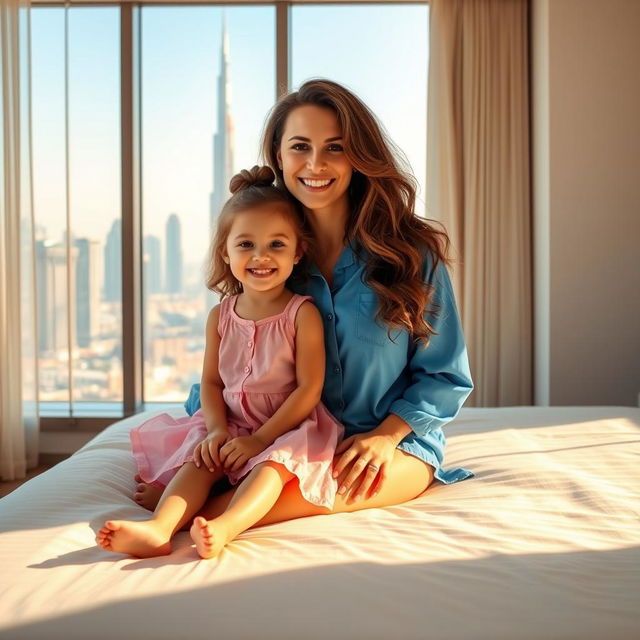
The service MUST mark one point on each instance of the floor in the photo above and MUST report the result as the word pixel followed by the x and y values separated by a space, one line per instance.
pixel 7 487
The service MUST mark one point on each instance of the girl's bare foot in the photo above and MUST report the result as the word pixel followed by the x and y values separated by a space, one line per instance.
pixel 210 536
pixel 140 539
pixel 146 494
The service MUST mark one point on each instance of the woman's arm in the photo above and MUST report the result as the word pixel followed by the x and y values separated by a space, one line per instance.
pixel 394 428
pixel 440 383
pixel 440 374
pixel 310 363
pixel 214 409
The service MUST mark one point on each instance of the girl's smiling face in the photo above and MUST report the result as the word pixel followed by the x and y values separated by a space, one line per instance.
pixel 262 248
pixel 311 156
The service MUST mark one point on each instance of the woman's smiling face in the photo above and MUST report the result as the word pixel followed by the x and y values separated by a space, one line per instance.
pixel 311 156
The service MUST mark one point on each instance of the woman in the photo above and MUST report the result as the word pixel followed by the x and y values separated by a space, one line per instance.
pixel 397 367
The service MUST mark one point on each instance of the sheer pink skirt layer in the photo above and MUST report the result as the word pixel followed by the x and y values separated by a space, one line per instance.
pixel 162 444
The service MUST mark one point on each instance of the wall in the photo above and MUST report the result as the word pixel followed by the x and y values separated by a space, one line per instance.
pixel 586 186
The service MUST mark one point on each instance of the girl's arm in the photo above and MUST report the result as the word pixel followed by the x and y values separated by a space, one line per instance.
pixel 310 363
pixel 214 409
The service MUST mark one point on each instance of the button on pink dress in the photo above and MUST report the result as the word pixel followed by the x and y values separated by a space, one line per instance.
pixel 257 367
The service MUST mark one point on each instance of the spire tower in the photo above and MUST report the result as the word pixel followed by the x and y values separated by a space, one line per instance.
pixel 223 137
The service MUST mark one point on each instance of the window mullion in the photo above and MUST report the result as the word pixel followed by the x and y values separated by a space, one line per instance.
pixel 69 262
pixel 131 241
pixel 283 11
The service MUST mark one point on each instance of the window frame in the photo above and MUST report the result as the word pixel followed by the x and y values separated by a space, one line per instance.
pixel 130 118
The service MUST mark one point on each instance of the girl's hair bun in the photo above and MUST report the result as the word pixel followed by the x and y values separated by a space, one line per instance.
pixel 255 177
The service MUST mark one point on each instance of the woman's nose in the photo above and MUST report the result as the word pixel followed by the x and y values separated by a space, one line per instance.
pixel 316 161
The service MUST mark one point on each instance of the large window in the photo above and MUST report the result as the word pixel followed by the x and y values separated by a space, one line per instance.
pixel 208 79
pixel 378 51
pixel 76 163
pixel 205 78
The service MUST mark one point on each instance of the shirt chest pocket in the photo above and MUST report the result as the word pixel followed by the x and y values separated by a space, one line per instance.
pixel 367 328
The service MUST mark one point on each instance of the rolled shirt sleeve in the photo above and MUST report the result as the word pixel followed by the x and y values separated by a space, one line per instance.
pixel 440 375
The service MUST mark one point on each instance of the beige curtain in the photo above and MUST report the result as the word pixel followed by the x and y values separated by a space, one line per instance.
pixel 479 186
pixel 18 352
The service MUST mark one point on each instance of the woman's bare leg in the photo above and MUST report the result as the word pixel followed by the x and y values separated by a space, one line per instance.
pixel 251 501
pixel 408 478
pixel 184 495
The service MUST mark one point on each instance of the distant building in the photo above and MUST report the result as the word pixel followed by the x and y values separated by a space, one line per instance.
pixel 88 276
pixel 223 144
pixel 54 308
pixel 173 262
pixel 152 265
pixel 113 263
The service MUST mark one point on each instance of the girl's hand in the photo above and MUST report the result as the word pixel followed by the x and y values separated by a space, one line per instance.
pixel 235 453
pixel 208 451
pixel 363 449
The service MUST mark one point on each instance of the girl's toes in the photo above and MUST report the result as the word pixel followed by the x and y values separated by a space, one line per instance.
pixel 200 522
pixel 111 525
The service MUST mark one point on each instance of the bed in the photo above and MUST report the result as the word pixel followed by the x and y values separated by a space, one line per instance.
pixel 543 543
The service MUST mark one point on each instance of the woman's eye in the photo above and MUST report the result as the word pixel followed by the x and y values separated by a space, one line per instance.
pixel 336 147
pixel 299 146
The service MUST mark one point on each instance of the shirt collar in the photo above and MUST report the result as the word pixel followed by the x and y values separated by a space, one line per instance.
pixel 346 259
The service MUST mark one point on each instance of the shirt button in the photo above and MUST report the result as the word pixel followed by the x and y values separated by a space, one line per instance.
pixel 329 316
pixel 247 369
pixel 336 369
pixel 250 343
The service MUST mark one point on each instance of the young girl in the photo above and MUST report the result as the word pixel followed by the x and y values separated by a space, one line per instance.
pixel 260 392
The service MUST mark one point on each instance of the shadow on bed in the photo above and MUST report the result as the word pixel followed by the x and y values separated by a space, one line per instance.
pixel 585 594
pixel 183 553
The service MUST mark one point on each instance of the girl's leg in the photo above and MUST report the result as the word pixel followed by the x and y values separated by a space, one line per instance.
pixel 184 495
pixel 147 495
pixel 251 501
pixel 408 478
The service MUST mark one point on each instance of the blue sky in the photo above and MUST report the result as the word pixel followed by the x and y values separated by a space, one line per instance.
pixel 378 51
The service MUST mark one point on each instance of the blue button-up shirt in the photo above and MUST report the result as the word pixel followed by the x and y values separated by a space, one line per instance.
pixel 368 375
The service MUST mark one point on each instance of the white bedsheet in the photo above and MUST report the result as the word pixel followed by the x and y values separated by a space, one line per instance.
pixel 543 543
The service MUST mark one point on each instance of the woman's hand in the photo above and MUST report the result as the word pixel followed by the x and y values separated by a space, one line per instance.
pixel 235 453
pixel 208 451
pixel 363 449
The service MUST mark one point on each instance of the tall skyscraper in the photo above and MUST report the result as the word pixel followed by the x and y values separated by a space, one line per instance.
pixel 88 275
pixel 152 265
pixel 54 309
pixel 113 264
pixel 223 138
pixel 173 262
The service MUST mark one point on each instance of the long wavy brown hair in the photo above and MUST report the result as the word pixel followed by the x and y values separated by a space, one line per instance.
pixel 382 228
pixel 251 189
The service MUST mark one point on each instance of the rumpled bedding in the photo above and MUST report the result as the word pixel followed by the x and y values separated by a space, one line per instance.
pixel 543 543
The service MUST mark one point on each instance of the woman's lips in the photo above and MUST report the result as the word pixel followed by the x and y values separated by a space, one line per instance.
pixel 314 189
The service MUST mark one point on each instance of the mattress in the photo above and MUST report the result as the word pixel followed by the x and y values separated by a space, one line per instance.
pixel 544 542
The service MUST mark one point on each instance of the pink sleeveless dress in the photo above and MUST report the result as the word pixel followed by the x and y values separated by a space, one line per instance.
pixel 257 366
